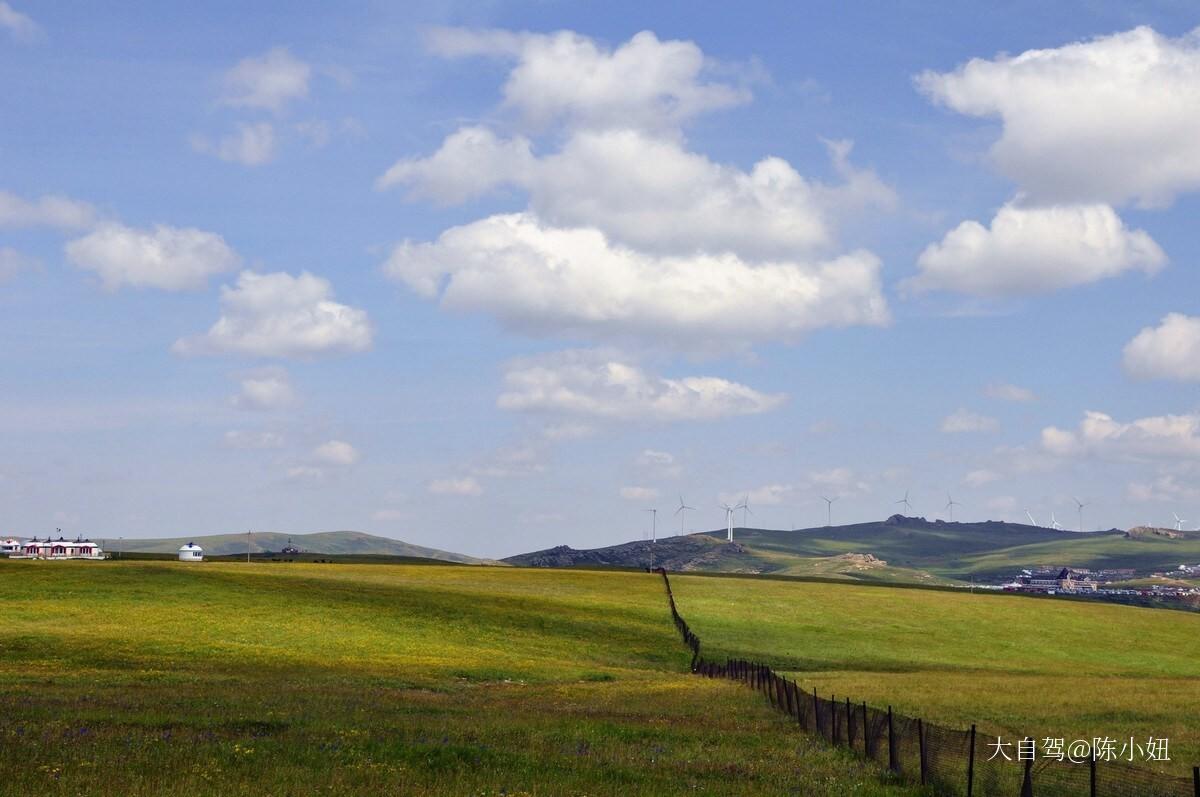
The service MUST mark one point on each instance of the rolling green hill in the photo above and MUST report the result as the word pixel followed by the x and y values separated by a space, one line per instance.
pixel 904 549
pixel 327 542
pixel 157 679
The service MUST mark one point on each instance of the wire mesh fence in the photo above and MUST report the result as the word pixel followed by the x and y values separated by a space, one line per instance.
pixel 950 761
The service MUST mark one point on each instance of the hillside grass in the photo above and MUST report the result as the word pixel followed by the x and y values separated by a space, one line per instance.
pixel 1011 664
pixel 160 678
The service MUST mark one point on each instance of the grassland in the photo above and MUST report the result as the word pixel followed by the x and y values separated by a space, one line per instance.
pixel 159 678
pixel 1012 664
pixel 324 542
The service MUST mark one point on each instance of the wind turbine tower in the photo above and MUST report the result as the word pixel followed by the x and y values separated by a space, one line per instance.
pixel 906 502
pixel 829 509
pixel 950 504
pixel 682 512
pixel 1032 522
pixel 745 507
pixel 1080 505
pixel 1178 522
pixel 1054 524
pixel 653 525
pixel 728 522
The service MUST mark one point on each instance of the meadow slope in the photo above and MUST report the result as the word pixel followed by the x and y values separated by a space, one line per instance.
pixel 1012 664
pixel 161 678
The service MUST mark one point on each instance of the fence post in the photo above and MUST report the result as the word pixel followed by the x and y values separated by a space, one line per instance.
pixel 1092 775
pixel 849 726
pixel 816 713
pixel 971 766
pixel 921 747
pixel 1196 780
pixel 893 764
pixel 1027 784
pixel 833 719
pixel 787 693
pixel 866 732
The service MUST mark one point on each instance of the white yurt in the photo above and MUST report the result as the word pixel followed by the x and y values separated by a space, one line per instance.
pixel 191 553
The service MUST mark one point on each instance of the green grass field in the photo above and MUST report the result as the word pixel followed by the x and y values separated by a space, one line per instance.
pixel 1011 664
pixel 158 678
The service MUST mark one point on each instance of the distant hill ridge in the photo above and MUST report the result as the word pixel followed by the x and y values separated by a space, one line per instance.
pixel 902 549
pixel 326 542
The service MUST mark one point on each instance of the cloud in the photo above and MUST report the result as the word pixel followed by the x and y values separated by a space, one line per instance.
pixel 20 26
pixel 541 279
pixel 567 78
pixel 467 486
pixel 335 452
pixel 963 420
pixel 305 473
pixel 268 82
pixel 1029 251
pixel 661 463
pixel 568 430
pixel 252 144
pixel 13 262
pixel 649 192
pixel 51 210
pixel 628 235
pixel 265 389
pixel 978 478
pixel 1007 392
pixel 470 163
pixel 1164 487
pixel 1169 437
pixel 253 440
pixel 766 495
pixel 639 493
pixel 278 315
pixel 1133 99
pixel 595 385
pixel 390 515
pixel 842 480
pixel 169 258
pixel 1169 351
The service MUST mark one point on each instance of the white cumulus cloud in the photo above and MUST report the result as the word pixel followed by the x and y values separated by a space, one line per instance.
pixel 169 258
pixel 278 315
pixel 593 384
pixel 639 493
pixel 265 389
pixel 1111 120
pixel 1028 251
pixel 269 81
pixel 335 452
pixel 546 280
pixel 1008 392
pixel 1166 437
pixel 47 211
pixel 566 77
pixel 963 420
pixel 20 26
pixel 467 486
pixel 1169 351
pixel 252 144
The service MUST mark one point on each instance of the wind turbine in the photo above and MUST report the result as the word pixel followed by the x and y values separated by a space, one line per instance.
pixel 1081 505
pixel 682 512
pixel 905 501
pixel 829 509
pixel 1054 524
pixel 728 522
pixel 1179 522
pixel 950 504
pixel 653 524
pixel 745 507
pixel 1032 522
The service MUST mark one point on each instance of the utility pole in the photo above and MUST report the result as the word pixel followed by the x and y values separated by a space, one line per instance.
pixel 247 547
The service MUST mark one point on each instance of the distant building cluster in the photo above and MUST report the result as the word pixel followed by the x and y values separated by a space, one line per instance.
pixel 48 548
pixel 78 548
pixel 1064 580
pixel 1101 583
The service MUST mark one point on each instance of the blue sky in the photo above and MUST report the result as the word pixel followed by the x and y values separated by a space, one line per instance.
pixel 492 277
